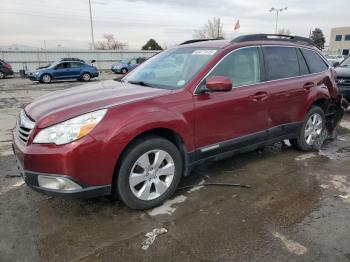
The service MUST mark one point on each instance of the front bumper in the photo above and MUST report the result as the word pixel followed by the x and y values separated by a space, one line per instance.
pixel 34 77
pixel 8 72
pixel 31 179
pixel 345 91
pixel 80 162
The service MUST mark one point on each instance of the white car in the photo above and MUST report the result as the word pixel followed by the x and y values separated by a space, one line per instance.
pixel 334 58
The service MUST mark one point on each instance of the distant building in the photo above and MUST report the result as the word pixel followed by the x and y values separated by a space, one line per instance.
pixel 340 41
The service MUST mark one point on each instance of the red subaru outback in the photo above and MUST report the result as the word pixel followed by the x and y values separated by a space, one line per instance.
pixel 137 136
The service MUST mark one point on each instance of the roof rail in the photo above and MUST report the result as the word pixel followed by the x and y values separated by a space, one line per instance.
pixel 200 40
pixel 71 59
pixel 273 37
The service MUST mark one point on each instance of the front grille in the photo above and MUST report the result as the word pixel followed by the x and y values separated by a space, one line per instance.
pixel 343 81
pixel 24 127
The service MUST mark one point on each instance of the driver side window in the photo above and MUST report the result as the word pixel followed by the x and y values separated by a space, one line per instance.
pixel 241 66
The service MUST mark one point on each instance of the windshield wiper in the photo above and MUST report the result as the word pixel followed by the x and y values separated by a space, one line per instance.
pixel 141 83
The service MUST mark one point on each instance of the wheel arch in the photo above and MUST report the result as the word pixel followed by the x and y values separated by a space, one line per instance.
pixel 46 73
pixel 166 133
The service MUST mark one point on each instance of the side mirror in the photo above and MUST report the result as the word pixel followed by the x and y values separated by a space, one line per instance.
pixel 335 64
pixel 219 84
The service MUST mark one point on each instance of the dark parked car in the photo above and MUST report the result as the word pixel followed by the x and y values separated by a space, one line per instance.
pixel 134 138
pixel 5 69
pixel 343 77
pixel 65 69
pixel 127 65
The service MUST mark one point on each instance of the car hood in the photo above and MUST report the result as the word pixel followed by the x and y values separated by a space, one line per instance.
pixel 61 105
pixel 343 71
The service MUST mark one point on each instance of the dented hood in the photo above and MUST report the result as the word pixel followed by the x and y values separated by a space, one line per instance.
pixel 61 105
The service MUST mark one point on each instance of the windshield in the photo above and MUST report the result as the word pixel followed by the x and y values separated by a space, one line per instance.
pixel 346 62
pixel 171 69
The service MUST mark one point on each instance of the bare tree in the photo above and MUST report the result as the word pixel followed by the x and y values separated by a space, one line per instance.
pixel 283 31
pixel 110 43
pixel 212 29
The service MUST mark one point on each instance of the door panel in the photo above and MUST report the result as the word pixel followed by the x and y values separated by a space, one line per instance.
pixel 225 116
pixel 287 88
pixel 241 112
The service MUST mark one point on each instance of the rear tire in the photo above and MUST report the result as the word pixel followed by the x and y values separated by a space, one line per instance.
pixel 124 71
pixel 312 127
pixel 149 173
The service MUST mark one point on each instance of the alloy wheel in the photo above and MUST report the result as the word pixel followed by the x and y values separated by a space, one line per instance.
pixel 46 79
pixel 313 128
pixel 2 75
pixel 86 77
pixel 152 175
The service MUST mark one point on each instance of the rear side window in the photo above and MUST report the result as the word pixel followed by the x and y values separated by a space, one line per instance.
pixel 281 62
pixel 315 62
pixel 76 64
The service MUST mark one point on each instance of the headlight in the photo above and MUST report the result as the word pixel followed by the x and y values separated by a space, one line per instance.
pixel 37 73
pixel 70 130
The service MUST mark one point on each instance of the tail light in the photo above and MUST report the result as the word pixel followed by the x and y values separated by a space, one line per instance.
pixel 7 66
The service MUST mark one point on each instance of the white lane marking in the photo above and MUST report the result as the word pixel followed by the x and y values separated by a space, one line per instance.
pixel 151 236
pixel 166 208
pixel 305 156
pixel 292 246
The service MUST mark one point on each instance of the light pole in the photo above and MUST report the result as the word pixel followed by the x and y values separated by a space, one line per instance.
pixel 92 28
pixel 277 10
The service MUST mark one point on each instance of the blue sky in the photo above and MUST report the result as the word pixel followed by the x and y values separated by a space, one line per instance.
pixel 66 22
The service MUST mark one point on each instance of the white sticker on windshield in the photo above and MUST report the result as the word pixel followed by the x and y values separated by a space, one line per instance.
pixel 204 52
pixel 181 82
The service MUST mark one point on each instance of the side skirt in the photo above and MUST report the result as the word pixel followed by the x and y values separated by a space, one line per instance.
pixel 244 144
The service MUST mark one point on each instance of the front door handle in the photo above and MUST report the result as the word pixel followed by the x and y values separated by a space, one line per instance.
pixel 260 96
pixel 307 87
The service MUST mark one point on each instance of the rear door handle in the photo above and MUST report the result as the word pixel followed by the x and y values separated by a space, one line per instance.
pixel 308 86
pixel 260 96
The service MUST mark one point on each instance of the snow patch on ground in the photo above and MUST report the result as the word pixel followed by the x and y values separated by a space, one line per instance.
pixel 292 246
pixel 345 124
pixel 151 236
pixel 166 208
pixel 6 153
pixel 196 188
pixel 8 188
pixel 305 156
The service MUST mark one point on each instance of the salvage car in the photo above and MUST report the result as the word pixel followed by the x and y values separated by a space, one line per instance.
pixel 65 69
pixel 135 137
pixel 343 77
pixel 5 69
pixel 127 65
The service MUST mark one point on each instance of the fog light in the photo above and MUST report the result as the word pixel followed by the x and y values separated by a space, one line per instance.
pixel 58 183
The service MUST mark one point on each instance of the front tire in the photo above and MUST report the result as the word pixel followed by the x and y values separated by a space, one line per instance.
pixel 2 75
pixel 86 77
pixel 311 129
pixel 45 78
pixel 124 71
pixel 149 173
